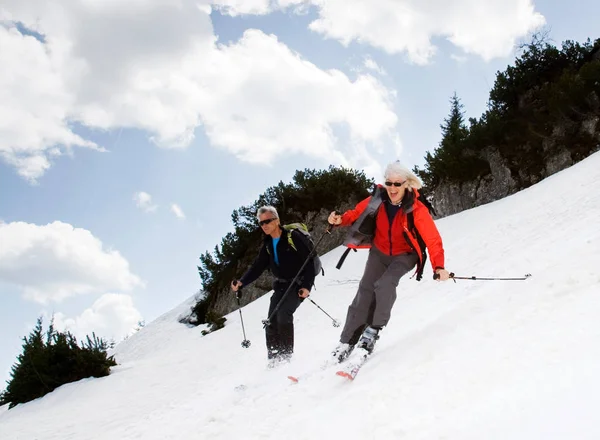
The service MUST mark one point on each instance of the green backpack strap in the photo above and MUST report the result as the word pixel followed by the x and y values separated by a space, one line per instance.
pixel 292 226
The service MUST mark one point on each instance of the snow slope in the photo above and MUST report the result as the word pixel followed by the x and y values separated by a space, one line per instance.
pixel 465 360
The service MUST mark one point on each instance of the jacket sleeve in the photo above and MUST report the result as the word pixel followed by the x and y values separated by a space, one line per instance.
pixel 431 236
pixel 352 215
pixel 261 262
pixel 308 274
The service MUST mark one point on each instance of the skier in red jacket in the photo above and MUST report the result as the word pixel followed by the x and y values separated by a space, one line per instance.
pixel 389 223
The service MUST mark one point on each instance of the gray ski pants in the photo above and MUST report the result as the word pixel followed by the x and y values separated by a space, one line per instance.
pixel 376 294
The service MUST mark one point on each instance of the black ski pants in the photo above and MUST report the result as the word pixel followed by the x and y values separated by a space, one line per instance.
pixel 280 332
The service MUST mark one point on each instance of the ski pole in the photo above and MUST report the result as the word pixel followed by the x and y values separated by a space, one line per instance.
pixel 245 342
pixel 267 321
pixel 336 323
pixel 474 278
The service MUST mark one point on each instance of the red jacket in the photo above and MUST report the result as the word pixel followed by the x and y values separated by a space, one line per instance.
pixel 393 241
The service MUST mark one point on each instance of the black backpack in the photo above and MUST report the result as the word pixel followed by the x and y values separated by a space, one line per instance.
pixel 303 229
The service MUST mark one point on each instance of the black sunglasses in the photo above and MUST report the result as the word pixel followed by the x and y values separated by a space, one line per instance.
pixel 388 183
pixel 266 221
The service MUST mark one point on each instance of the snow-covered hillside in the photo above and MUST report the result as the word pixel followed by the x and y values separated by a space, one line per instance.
pixel 465 360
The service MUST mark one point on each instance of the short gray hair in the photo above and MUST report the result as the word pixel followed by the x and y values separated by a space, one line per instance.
pixel 396 169
pixel 264 209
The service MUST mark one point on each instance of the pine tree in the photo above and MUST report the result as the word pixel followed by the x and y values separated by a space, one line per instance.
pixel 45 365
pixel 445 162
pixel 454 130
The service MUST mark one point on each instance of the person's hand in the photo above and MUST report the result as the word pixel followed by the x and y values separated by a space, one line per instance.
pixel 303 293
pixel 442 274
pixel 334 218
pixel 235 285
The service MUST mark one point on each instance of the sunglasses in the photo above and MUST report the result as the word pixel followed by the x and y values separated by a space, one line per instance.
pixel 388 183
pixel 266 221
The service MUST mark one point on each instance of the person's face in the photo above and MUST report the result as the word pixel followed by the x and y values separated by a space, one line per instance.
pixel 395 186
pixel 268 222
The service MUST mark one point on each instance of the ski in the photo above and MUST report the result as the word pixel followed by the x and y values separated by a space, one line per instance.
pixel 353 368
pixel 324 366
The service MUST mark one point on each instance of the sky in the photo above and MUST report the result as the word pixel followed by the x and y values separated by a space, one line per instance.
pixel 468 360
pixel 130 133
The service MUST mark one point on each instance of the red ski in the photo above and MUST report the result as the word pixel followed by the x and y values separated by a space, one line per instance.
pixel 352 370
pixel 325 365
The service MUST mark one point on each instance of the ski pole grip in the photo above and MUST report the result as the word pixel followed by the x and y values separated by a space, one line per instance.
pixel 238 293
pixel 329 225
pixel 437 275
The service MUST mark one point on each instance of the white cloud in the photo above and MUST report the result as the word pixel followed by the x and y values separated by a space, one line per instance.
pixel 56 261
pixel 112 316
pixel 35 105
pixel 143 200
pixel 267 101
pixel 176 209
pixel 488 28
pixel 259 7
pixel 372 65
pixel 159 69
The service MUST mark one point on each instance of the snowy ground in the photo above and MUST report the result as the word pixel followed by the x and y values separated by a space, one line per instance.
pixel 465 360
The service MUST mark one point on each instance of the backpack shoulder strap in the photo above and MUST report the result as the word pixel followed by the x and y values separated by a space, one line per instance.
pixel 422 197
pixel 290 240
pixel 300 227
pixel 343 257
pixel 410 221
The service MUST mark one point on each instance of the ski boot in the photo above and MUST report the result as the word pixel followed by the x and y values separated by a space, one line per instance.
pixel 342 351
pixel 279 359
pixel 368 339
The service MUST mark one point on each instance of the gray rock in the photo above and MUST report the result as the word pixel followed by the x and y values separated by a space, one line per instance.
pixel 450 197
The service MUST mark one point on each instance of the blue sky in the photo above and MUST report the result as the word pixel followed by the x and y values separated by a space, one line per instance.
pixel 205 111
